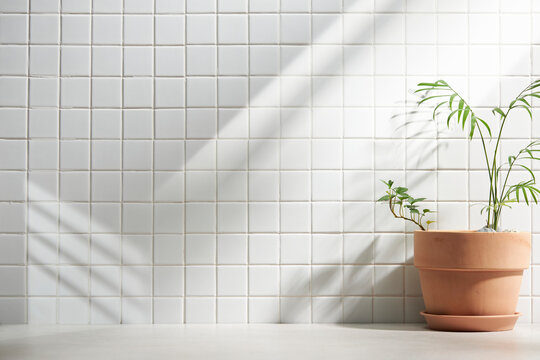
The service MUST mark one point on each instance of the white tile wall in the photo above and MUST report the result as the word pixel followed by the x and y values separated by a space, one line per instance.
pixel 171 161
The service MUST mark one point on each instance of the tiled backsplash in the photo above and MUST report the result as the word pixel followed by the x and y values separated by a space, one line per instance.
pixel 218 160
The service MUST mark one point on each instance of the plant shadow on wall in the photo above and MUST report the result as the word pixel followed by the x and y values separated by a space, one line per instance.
pixel 269 128
pixel 265 142
pixel 504 191
pixel 59 272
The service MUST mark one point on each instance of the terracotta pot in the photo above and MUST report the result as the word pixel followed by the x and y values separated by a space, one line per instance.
pixel 468 273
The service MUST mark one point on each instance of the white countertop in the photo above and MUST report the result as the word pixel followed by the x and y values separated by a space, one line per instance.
pixel 276 342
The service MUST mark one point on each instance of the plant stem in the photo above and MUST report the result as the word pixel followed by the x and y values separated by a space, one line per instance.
pixel 403 217
pixel 492 194
pixel 497 207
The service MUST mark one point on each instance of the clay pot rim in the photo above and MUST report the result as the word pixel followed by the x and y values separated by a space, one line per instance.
pixel 470 232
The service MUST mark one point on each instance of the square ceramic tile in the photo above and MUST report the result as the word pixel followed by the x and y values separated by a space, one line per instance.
pixel 14 60
pixel 387 310
pixel 201 92
pixel 295 60
pixel 326 280
pixel 76 29
pixel 263 217
pixel 75 92
pixel 105 310
pixel 327 310
pixel 295 29
pixel 232 281
pixel 106 93
pixel 137 6
pixel 107 6
pixel 107 29
pixel 200 217
pixel 13 249
pixel 170 6
pixel 327 249
pixel 43 92
pixel 295 249
pixel 263 310
pixel 295 185
pixel 200 310
pixel 44 29
pixel 106 249
pixel 138 29
pixel 233 60
pixel 168 249
pixel 354 32
pixel 137 280
pixel 232 92
pixel 232 310
pixel 169 61
pixel 169 29
pixel 168 218
pixel 201 60
pixel 200 281
pixel 137 124
pixel 295 217
pixel 326 217
pixel 136 310
pixel 200 155
pixel 357 310
pixel 232 249
pixel 232 155
pixel 263 154
pixel 225 6
pixel 168 311
pixel 169 93
pixel 169 124
pixel 263 29
pixel 138 60
pixel 74 155
pixel 264 280
pixel 232 29
pixel 137 218
pixel 42 310
pixel 295 281
pixel 232 218
pixel 73 311
pixel 105 281
pixel 200 29
pixel 75 186
pixel 263 249
pixel 168 281
pixel 326 28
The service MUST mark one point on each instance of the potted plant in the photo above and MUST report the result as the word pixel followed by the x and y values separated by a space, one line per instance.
pixel 471 279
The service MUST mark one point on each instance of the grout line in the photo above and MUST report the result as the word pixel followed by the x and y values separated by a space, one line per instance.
pixel 248 175
pixel 27 163
pixel 90 213
pixel 311 160
pixel 405 163
pixel 343 228
pixel 373 155
pixel 184 237
pixel 122 36
pixel 216 202
pixel 531 211
pixel 153 160
pixel 280 311
pixel 59 162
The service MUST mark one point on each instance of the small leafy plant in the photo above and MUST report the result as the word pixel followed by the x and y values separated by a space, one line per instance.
pixel 502 193
pixel 403 206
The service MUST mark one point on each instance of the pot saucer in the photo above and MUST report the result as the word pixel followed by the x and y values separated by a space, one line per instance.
pixel 471 323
